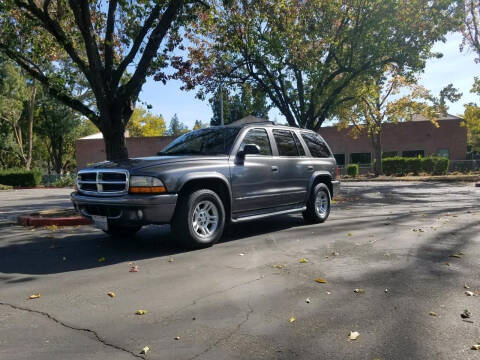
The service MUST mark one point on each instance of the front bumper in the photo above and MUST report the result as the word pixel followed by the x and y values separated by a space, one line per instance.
pixel 335 187
pixel 128 209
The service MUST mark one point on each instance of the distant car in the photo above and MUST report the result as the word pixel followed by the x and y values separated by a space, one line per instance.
pixel 207 178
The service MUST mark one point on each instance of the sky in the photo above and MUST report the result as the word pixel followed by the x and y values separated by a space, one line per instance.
pixel 458 68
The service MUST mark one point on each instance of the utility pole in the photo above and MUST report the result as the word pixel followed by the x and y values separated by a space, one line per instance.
pixel 221 106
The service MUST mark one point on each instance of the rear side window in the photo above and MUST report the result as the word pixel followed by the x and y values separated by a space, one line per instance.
pixel 316 145
pixel 301 151
pixel 285 143
pixel 258 137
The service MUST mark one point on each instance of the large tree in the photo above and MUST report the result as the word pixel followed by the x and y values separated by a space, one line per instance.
pixel 305 54
pixel 113 44
pixel 144 123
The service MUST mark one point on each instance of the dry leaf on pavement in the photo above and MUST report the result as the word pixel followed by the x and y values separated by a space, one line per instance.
pixel 111 294
pixel 475 347
pixel 321 281
pixel 34 296
pixel 307 300
pixel 292 319
pixel 466 286
pixel 466 314
pixel 303 260
pixel 134 268
pixel 141 312
pixel 144 350
pixel 469 293
pixel 359 291
pixel 353 335
pixel 171 259
pixel 432 313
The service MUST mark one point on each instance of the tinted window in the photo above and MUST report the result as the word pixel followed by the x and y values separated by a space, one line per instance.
pixel 361 158
pixel 258 137
pixel 316 145
pixel 210 141
pixel 300 149
pixel 285 143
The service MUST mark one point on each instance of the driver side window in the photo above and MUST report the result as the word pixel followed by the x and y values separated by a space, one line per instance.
pixel 258 137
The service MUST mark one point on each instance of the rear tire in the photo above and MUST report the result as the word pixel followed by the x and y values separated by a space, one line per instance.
pixel 199 220
pixel 318 205
pixel 122 231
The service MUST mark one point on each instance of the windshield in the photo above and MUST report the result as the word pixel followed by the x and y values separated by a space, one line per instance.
pixel 210 141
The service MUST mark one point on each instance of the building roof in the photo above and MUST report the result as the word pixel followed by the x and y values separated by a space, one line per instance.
pixel 419 117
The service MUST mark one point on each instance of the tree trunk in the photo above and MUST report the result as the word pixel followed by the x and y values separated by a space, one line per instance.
pixel 377 148
pixel 31 109
pixel 115 145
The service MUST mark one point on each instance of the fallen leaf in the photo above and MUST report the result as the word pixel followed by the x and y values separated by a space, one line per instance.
pixel 34 296
pixel 177 337
pixel 349 234
pixel 469 293
pixel 353 335
pixel 475 347
pixel 141 312
pixel 447 263
pixel 134 268
pixel 466 314
pixel 101 259
pixel 432 313
pixel 292 319
pixel 277 266
pixel 328 292
pixel 171 259
pixel 321 281
pixel 359 291
pixel 457 255
pixel 466 286
pixel 144 350
pixel 303 260
pixel 111 294
pixel 386 291
pixel 241 254
pixel 307 300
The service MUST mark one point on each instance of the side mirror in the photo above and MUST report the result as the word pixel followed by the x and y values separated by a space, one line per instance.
pixel 249 149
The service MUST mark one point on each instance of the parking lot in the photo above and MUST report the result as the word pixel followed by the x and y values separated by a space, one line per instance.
pixel 410 248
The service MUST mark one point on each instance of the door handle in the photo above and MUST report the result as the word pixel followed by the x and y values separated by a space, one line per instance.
pixel 274 168
pixel 309 168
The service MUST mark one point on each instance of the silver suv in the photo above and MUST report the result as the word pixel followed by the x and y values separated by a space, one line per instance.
pixel 210 177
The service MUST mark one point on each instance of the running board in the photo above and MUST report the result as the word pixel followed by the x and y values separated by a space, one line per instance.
pixel 261 216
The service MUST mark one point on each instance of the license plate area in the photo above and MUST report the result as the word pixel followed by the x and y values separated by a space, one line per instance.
pixel 100 222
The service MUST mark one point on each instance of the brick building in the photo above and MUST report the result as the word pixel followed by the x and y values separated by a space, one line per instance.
pixel 416 137
pixel 412 138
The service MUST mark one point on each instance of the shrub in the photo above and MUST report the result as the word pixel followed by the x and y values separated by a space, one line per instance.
pixel 441 166
pixel 20 177
pixel 64 181
pixel 5 187
pixel 394 166
pixel 352 170
pixel 413 165
pixel 428 164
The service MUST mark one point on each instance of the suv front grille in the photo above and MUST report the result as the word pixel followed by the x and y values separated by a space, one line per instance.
pixel 103 182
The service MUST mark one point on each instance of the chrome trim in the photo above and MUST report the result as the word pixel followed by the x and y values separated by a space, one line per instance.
pixel 99 182
pixel 261 216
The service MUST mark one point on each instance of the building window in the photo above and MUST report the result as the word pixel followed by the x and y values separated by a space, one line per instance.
pixel 361 158
pixel 388 154
pixel 340 159
pixel 444 153
pixel 413 153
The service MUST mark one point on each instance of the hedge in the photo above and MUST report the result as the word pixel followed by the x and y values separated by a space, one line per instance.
pixel 352 170
pixel 20 177
pixel 401 166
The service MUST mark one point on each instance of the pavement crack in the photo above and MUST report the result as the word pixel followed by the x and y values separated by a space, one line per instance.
pixel 85 330
pixel 228 336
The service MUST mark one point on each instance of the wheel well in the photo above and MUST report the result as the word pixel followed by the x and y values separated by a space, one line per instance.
pixel 326 180
pixel 213 184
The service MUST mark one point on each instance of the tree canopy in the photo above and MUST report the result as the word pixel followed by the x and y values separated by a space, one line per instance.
pixel 113 46
pixel 306 54
pixel 144 123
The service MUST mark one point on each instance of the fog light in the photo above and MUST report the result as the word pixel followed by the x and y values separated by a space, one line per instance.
pixel 140 214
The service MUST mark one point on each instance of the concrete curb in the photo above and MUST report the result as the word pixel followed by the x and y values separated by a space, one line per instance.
pixel 473 178
pixel 57 221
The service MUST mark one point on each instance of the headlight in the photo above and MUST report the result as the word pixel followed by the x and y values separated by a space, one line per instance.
pixel 146 185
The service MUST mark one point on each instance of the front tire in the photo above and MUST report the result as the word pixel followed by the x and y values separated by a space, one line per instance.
pixel 318 205
pixel 199 220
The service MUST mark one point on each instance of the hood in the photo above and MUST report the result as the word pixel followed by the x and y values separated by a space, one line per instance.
pixel 143 162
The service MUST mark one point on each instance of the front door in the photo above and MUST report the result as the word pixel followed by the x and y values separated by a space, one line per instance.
pixel 254 179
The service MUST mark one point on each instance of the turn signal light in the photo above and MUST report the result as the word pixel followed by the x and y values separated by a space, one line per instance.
pixel 147 189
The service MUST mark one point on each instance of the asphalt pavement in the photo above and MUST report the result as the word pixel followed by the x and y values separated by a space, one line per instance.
pixel 410 248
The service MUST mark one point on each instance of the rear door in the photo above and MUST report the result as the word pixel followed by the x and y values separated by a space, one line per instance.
pixel 253 178
pixel 294 167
